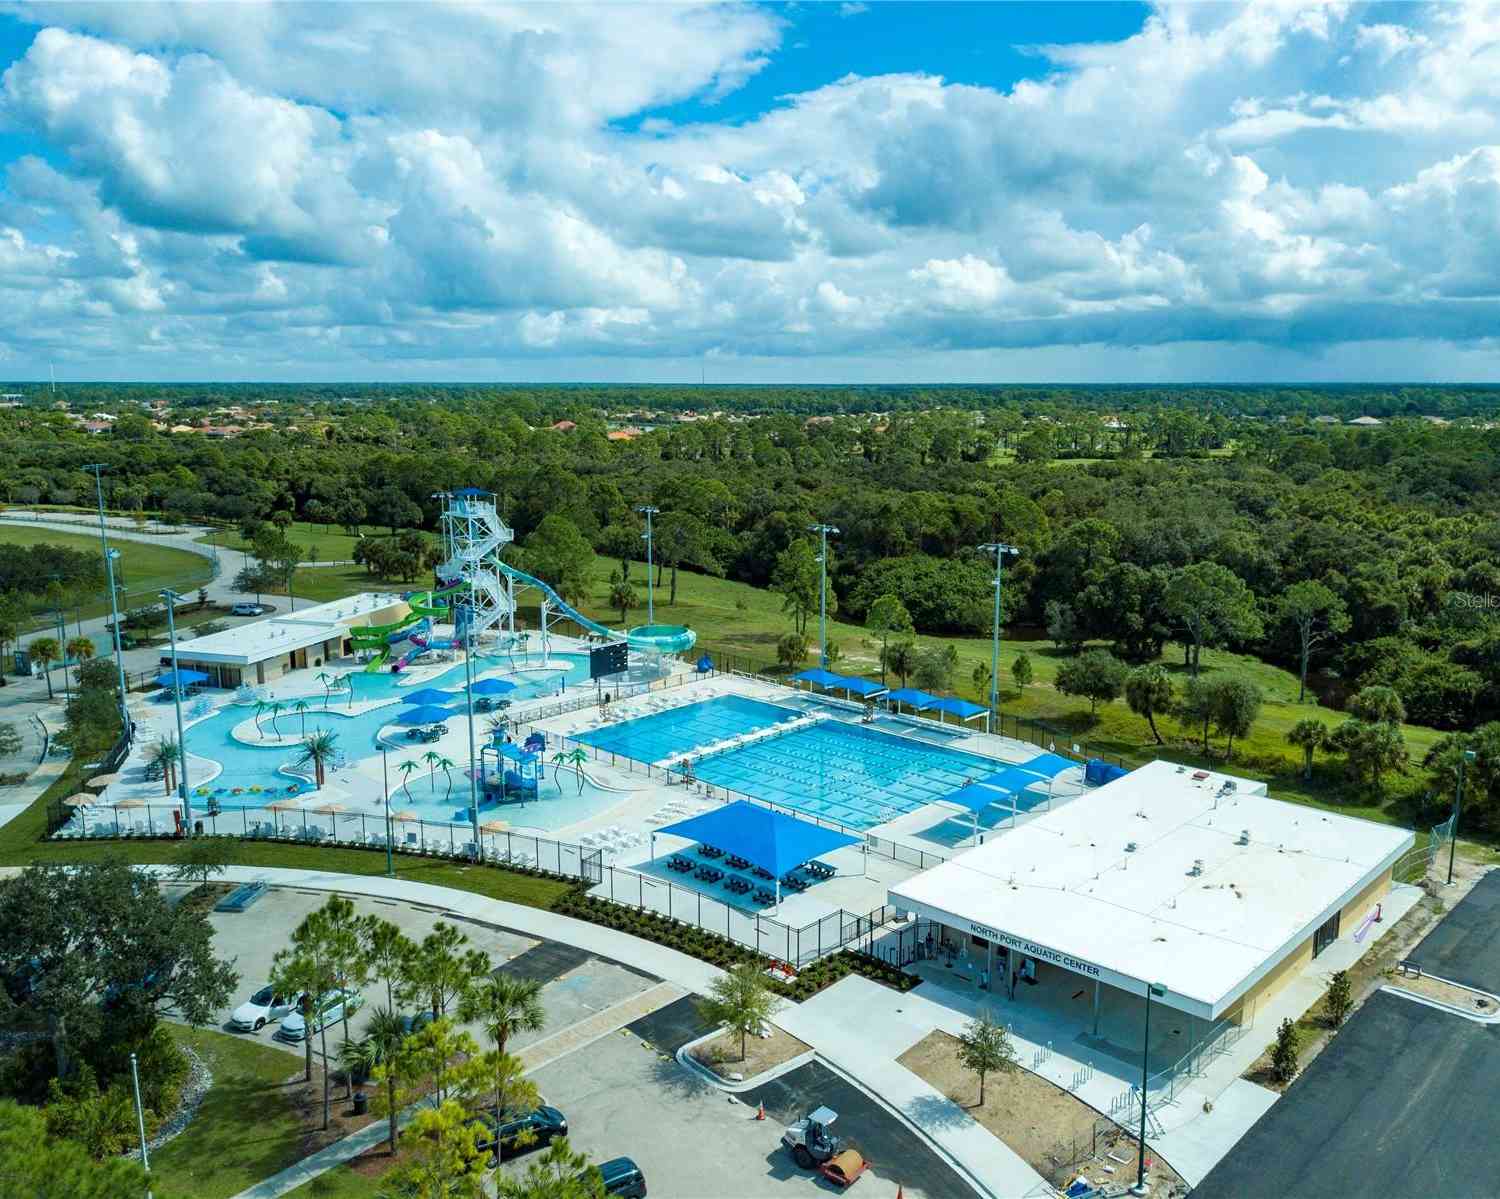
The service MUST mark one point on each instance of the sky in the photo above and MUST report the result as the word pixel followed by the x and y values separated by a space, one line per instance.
pixel 822 193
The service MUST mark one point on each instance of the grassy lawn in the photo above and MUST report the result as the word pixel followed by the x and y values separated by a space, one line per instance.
pixel 322 543
pixel 244 1132
pixel 142 570
pixel 21 844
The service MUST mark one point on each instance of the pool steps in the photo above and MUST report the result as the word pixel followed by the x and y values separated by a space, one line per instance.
pixel 743 739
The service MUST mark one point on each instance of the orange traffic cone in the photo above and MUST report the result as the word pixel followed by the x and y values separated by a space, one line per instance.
pixel 760 1112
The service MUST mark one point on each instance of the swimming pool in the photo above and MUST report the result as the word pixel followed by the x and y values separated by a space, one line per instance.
pixel 846 772
pixel 666 734
pixel 256 770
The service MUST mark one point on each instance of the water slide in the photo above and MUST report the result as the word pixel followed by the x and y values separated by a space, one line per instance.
pixel 377 661
pixel 663 638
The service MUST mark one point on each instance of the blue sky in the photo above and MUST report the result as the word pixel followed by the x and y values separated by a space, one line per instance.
pixel 823 192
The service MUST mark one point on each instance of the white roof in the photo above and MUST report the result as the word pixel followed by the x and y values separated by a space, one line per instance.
pixel 1066 888
pixel 261 639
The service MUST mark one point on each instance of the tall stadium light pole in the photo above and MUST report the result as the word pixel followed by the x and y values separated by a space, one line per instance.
pixel 648 512
pixel 1157 990
pixel 999 549
pixel 140 1122
pixel 97 469
pixel 1458 798
pixel 170 598
pixel 823 531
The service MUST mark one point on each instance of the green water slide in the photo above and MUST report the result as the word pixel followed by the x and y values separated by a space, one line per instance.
pixel 424 606
pixel 377 661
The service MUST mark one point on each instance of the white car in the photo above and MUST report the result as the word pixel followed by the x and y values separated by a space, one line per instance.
pixel 245 609
pixel 264 1007
pixel 335 1005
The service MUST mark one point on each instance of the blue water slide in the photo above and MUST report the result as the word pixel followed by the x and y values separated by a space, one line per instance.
pixel 666 638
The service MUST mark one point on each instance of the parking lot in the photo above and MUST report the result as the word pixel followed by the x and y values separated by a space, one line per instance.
pixel 576 985
pixel 1397 1104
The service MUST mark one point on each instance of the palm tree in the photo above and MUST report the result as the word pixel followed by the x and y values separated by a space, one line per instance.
pixel 319 752
pixel 559 760
pixel 80 649
pixel 578 756
pixel 327 680
pixel 275 714
pixel 383 1036
pixel 432 758
pixel 504 1006
pixel 44 650
pixel 260 710
pixel 349 679
pixel 300 707
pixel 406 768
pixel 166 753
pixel 446 765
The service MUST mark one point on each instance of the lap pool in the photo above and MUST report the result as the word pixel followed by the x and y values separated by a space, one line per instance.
pixel 854 774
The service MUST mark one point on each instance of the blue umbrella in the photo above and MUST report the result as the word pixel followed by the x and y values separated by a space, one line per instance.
pixel 428 695
pixel 493 687
pixel 425 714
pixel 180 678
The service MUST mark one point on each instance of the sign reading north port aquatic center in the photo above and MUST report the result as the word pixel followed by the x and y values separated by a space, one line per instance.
pixel 1033 950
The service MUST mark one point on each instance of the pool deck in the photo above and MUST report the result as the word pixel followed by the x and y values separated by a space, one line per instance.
pixel 641 800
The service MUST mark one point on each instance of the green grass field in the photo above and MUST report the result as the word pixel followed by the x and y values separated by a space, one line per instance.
pixel 322 543
pixel 244 1132
pixel 142 570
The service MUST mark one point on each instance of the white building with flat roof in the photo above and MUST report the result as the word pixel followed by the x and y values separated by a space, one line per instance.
pixel 263 650
pixel 1195 881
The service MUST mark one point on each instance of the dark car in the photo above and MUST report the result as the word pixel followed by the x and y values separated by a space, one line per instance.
pixel 416 1022
pixel 623 1177
pixel 522 1133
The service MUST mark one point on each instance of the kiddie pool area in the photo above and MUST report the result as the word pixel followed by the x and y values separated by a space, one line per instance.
pixel 252 776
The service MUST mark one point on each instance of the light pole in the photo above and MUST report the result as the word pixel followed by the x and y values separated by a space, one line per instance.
pixel 1157 990
pixel 97 470
pixel 1458 798
pixel 385 776
pixel 648 512
pixel 999 549
pixel 823 531
pixel 140 1122
pixel 170 598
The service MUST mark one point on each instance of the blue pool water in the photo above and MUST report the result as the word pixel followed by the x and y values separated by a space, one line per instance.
pixel 665 734
pixel 255 769
pixel 846 772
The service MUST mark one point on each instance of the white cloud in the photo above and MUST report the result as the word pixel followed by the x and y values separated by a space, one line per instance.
pixel 363 184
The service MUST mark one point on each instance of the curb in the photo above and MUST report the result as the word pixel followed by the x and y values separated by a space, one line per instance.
pixel 686 1059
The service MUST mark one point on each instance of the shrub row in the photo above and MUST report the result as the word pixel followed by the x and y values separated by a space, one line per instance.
pixel 721 951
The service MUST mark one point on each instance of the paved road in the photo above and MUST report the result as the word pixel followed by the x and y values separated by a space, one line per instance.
pixel 1400 1104
pixel 897 1153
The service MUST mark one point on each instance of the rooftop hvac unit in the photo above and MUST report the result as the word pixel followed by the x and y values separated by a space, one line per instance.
pixel 1197 867
pixel 1130 847
pixel 1244 838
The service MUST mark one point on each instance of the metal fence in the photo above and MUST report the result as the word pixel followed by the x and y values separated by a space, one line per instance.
pixel 1165 1085
pixel 765 934
pixel 309 826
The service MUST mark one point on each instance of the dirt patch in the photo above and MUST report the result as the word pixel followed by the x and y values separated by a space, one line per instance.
pixel 1452 994
pixel 306 1099
pixel 722 1053
pixel 1057 1134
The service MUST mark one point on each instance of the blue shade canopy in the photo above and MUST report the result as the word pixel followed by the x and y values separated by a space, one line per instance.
pixel 961 708
pixel 470 493
pixel 1012 779
pixel 425 714
pixel 493 687
pixel 911 697
pixel 428 695
pixel 863 687
pixel 975 797
pixel 512 752
pixel 1049 765
pixel 823 678
pixel 180 678
pixel 767 839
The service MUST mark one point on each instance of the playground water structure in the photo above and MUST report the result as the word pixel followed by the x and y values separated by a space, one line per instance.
pixel 252 775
